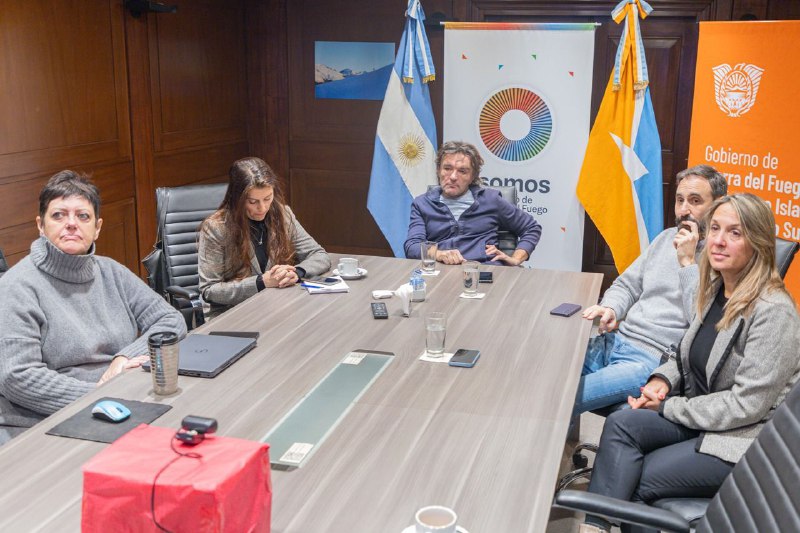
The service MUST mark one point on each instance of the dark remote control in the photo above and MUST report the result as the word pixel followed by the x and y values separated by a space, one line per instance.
pixel 379 310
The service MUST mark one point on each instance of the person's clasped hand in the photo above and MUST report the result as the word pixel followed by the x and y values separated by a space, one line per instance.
pixel 608 317
pixel 280 276
pixel 449 257
pixel 653 393
pixel 120 364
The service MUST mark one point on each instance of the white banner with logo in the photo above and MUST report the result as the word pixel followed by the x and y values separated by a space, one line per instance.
pixel 521 93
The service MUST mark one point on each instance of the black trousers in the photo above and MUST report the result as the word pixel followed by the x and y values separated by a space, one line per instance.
pixel 644 457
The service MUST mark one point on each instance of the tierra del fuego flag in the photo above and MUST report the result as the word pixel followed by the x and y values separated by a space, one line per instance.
pixel 404 160
pixel 620 182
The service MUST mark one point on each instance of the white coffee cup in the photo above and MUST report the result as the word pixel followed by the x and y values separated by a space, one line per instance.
pixel 348 266
pixel 436 519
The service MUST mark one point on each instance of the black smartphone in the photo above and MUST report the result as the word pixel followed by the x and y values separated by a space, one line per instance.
pixel 485 277
pixel 566 309
pixel 465 358
pixel 321 280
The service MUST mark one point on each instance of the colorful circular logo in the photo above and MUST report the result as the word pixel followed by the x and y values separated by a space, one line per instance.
pixel 515 124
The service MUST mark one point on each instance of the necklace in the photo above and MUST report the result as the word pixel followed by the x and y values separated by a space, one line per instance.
pixel 260 234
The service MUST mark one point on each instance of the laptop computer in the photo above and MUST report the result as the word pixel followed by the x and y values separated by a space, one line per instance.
pixel 205 356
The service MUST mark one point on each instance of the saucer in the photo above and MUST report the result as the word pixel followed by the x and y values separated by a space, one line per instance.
pixel 413 529
pixel 361 273
pixel 472 296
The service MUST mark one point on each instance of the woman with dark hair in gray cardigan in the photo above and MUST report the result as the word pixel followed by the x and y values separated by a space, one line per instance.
pixel 69 319
pixel 253 241
pixel 701 410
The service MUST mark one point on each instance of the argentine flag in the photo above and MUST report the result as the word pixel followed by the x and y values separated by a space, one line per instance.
pixel 620 184
pixel 404 162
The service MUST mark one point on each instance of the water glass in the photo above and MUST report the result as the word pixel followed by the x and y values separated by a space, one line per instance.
pixel 471 274
pixel 435 332
pixel 428 251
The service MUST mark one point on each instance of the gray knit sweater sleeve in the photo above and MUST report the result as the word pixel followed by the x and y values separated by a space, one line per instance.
pixel 26 381
pixel 62 321
pixel 630 286
pixel 150 312
pixel 654 296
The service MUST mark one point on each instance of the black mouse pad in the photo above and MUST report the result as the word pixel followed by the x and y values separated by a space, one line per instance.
pixel 82 425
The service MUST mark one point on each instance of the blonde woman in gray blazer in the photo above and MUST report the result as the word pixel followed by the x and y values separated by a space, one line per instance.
pixel 253 241
pixel 701 410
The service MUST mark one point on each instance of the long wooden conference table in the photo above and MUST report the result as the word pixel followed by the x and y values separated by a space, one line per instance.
pixel 485 441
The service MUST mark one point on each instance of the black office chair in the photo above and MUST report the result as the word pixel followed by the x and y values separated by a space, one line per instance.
pixel 172 265
pixel 784 254
pixel 761 494
pixel 3 264
pixel 506 240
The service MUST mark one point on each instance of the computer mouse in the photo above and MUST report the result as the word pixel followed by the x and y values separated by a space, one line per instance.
pixel 110 411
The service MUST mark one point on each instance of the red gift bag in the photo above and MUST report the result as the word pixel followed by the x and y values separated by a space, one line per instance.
pixel 223 486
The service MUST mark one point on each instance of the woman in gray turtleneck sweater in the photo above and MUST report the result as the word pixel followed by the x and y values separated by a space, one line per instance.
pixel 69 320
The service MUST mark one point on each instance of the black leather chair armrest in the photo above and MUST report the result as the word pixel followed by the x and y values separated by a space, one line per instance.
pixel 620 510
pixel 181 292
pixel 692 509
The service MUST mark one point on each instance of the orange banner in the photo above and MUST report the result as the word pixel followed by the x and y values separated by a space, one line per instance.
pixel 745 116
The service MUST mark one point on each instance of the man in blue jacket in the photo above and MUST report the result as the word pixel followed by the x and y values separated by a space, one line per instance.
pixel 463 217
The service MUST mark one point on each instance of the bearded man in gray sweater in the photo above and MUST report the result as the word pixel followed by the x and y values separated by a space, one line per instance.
pixel 652 300
pixel 70 320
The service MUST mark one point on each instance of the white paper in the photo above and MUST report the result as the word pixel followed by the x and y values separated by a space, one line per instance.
pixel 443 357
pixel 326 289
pixel 353 358
pixel 296 453
pixel 381 294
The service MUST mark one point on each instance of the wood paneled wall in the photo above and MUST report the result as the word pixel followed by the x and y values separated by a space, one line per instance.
pixel 189 98
pixel 139 103
pixel 173 99
pixel 64 104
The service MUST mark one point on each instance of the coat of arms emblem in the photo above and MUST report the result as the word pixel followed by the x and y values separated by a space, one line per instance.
pixel 735 88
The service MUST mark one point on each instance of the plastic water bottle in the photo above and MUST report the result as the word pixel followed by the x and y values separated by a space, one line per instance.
pixel 418 286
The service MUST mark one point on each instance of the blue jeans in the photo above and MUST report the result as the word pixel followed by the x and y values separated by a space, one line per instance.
pixel 613 369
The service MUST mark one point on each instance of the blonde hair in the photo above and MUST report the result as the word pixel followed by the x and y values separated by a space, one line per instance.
pixel 758 275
